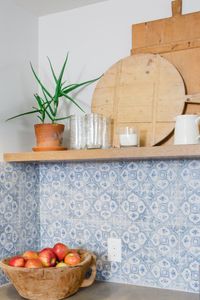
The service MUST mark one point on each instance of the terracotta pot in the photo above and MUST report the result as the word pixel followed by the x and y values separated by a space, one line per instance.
pixel 48 137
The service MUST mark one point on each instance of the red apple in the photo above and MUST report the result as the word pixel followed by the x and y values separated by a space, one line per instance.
pixel 48 248
pixel 47 257
pixel 17 261
pixel 60 250
pixel 73 250
pixel 72 259
pixel 33 263
pixel 29 254
pixel 61 264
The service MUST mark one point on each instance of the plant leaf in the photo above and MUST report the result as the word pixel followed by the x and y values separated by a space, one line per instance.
pixel 47 105
pixel 73 101
pixel 63 83
pixel 48 102
pixel 74 86
pixel 58 119
pixel 41 119
pixel 58 86
pixel 50 116
pixel 23 114
pixel 40 83
pixel 52 70
pixel 39 101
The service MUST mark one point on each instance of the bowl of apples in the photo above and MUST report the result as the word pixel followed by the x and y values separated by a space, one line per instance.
pixel 51 273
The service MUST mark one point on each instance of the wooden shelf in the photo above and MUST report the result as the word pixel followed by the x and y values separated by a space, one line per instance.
pixel 132 153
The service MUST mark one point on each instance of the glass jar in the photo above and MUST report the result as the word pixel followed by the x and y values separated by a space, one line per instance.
pixel 93 130
pixel 128 137
pixel 77 132
pixel 106 132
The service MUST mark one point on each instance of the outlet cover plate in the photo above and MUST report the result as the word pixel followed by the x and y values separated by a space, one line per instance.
pixel 114 249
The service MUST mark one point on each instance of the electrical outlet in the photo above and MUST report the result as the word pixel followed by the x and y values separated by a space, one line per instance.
pixel 114 249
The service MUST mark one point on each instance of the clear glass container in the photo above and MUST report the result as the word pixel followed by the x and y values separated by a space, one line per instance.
pixel 128 137
pixel 93 131
pixel 106 132
pixel 77 132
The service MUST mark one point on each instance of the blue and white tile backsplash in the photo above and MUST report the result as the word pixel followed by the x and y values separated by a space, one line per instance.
pixel 19 209
pixel 153 206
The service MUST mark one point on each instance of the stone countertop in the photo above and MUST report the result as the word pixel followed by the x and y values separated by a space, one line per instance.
pixel 112 291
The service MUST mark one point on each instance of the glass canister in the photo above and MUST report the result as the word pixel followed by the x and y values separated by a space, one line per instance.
pixel 128 137
pixel 77 132
pixel 106 132
pixel 93 130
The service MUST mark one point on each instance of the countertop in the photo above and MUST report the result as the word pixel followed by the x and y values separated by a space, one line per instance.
pixel 112 291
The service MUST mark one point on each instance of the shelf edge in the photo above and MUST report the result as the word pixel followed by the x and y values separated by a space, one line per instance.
pixel 134 153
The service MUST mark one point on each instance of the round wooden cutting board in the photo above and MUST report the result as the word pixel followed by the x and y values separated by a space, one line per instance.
pixel 144 91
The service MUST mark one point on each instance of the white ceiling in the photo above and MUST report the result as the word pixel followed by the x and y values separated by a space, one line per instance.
pixel 45 7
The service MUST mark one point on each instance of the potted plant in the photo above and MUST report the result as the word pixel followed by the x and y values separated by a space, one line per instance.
pixel 49 135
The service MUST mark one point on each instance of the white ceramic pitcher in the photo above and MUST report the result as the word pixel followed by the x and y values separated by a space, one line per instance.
pixel 187 130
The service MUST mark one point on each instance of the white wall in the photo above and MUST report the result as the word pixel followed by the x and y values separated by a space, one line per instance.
pixel 96 36
pixel 18 46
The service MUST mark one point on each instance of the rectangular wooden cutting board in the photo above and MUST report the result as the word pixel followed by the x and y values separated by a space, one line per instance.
pixel 177 39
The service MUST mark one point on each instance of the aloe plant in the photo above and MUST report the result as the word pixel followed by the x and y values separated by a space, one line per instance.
pixel 48 103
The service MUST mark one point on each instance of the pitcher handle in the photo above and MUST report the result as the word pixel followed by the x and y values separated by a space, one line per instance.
pixel 198 137
pixel 197 121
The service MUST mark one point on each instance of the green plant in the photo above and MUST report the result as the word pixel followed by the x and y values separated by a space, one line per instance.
pixel 48 103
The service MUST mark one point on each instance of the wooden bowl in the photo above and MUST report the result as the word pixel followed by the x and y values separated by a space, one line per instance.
pixel 51 283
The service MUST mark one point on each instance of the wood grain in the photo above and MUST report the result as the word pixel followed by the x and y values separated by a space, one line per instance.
pixel 178 39
pixel 176 7
pixel 51 283
pixel 143 91
pixel 173 30
pixel 133 153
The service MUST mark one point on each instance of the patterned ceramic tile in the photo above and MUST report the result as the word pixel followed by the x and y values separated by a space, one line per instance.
pixel 189 192
pixel 53 231
pixel 29 236
pixel 150 255
pixel 9 239
pixel 149 191
pixel 189 257
pixel 140 192
pixel 152 206
pixel 3 278
pixel 87 235
pixel 19 209
pixel 9 193
pixel 86 191
pixel 145 203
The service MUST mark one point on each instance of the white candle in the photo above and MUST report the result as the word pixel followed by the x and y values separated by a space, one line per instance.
pixel 128 139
